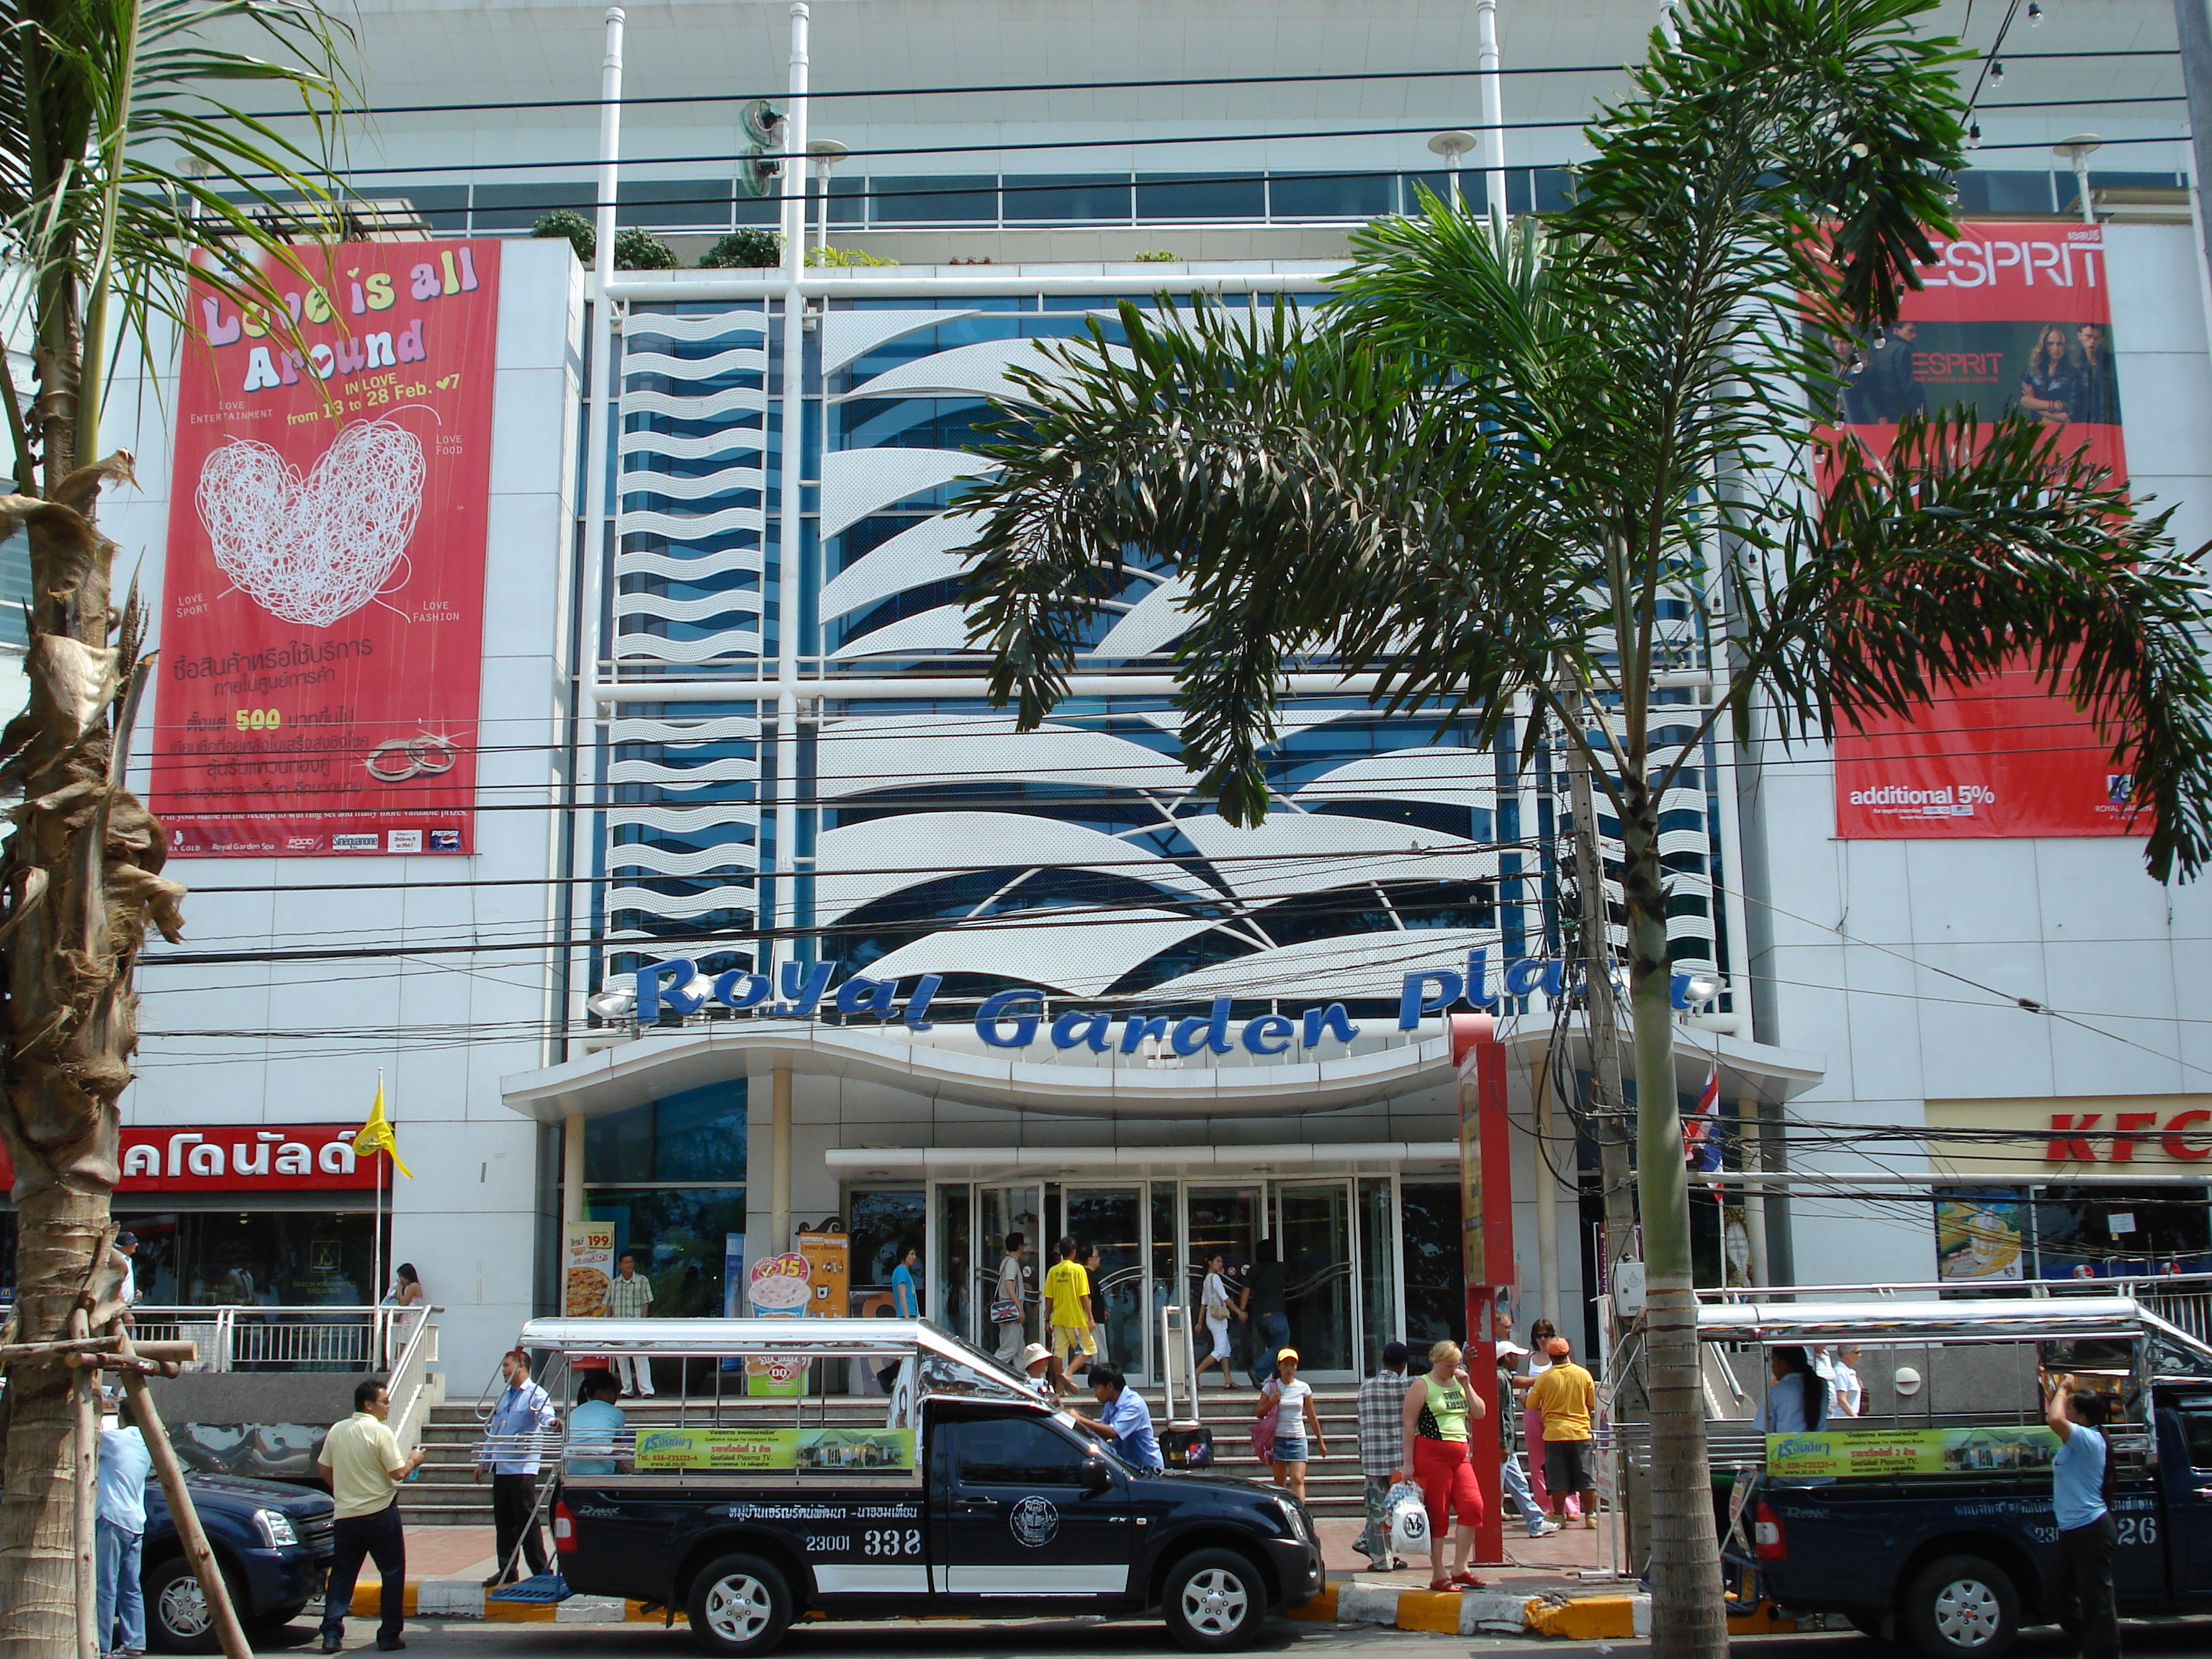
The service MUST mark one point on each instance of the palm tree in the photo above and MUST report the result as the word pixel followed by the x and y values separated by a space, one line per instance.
pixel 1501 466
pixel 125 170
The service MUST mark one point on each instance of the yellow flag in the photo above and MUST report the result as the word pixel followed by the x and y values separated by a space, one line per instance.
pixel 376 1136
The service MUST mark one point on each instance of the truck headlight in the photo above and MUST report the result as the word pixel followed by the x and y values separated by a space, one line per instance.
pixel 1294 1519
pixel 275 1528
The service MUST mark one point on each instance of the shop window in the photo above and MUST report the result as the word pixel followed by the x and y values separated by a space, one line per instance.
pixel 1079 198
pixel 264 1258
pixel 881 1223
pixel 698 1136
pixel 1436 1293
pixel 1218 197
pixel 682 1238
pixel 953 199
pixel 2096 1232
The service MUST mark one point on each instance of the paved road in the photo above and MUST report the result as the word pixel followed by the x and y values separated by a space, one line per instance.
pixel 1097 1639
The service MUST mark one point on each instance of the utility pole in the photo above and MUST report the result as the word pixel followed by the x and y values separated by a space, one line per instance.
pixel 1608 1113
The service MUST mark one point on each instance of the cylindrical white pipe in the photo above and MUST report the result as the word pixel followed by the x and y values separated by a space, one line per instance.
pixel 822 186
pixel 913 686
pixel 1493 109
pixel 2081 185
pixel 718 285
pixel 604 380
pixel 790 532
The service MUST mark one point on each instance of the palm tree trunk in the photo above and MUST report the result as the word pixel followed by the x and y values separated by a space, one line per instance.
pixel 38 1527
pixel 1687 1619
pixel 78 877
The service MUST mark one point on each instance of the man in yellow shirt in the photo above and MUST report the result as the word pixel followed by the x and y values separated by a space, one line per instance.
pixel 1567 1396
pixel 1067 1302
pixel 365 1467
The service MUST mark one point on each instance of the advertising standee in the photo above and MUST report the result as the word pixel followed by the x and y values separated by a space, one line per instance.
pixel 322 606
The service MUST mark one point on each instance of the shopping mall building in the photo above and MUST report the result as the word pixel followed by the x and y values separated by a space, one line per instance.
pixel 725 716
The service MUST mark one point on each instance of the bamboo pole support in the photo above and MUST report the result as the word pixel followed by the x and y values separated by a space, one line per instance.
pixel 85 1483
pixel 185 1518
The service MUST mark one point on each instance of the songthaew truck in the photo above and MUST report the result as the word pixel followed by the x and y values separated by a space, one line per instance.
pixel 881 1469
pixel 1928 1519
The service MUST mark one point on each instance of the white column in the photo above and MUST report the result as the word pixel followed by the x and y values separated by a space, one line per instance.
pixel 603 387
pixel 1493 106
pixel 788 530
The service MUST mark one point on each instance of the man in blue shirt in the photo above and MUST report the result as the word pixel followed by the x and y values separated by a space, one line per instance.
pixel 118 1533
pixel 906 1301
pixel 2081 1572
pixel 1123 1418
pixel 595 1425
pixel 511 1448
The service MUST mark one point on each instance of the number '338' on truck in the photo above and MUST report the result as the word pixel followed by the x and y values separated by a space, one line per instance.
pixel 797 1486
pixel 1928 1519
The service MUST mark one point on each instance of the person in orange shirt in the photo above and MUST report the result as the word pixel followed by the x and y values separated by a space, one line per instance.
pixel 1567 1396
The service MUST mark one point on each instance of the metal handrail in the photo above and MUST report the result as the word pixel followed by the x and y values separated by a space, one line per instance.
pixel 410 1374
pixel 286 1336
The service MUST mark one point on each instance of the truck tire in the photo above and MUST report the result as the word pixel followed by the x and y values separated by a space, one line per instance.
pixel 1962 1607
pixel 739 1605
pixel 1215 1601
pixel 177 1616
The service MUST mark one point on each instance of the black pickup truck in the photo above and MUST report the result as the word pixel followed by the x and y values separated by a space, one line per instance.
pixel 272 1539
pixel 982 1501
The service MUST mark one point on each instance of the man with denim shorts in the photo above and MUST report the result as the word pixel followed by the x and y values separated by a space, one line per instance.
pixel 1067 1305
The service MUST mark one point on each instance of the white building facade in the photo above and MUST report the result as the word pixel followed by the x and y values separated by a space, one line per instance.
pixel 734 720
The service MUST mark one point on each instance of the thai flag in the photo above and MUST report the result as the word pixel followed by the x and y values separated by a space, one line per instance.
pixel 1701 1134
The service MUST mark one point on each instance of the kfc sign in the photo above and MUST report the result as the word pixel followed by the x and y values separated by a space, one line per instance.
pixel 2073 1136
pixel 292 1157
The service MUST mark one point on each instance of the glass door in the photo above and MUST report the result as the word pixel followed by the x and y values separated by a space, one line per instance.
pixel 1315 1221
pixel 1001 1211
pixel 1224 1221
pixel 1112 1221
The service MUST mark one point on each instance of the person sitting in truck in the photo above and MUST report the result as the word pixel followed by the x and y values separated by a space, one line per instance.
pixel 1124 1421
pixel 1796 1399
pixel 2082 1570
pixel 1046 1374
pixel 594 1425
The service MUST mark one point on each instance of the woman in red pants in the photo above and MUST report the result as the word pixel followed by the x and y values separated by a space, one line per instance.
pixel 1439 1406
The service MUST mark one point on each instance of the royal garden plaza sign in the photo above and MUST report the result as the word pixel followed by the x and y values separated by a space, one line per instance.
pixel 1016 1019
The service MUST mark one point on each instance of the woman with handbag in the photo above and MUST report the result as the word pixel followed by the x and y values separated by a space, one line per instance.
pixel 1439 1406
pixel 1006 1303
pixel 1287 1404
pixel 1214 1296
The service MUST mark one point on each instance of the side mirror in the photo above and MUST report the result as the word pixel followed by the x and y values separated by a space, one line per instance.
pixel 1095 1475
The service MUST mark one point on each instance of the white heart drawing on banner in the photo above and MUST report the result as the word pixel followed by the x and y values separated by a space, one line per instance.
pixel 313 548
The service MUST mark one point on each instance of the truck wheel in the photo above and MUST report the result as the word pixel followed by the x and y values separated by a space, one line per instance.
pixel 739 1604
pixel 1214 1601
pixel 177 1616
pixel 1960 1605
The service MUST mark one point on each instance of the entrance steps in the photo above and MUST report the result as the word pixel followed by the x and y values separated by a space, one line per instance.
pixel 444 1495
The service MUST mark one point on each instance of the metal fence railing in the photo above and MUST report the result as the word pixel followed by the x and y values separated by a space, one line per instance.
pixel 305 1339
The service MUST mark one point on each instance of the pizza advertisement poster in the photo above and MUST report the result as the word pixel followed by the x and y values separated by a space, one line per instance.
pixel 322 613
pixel 2012 316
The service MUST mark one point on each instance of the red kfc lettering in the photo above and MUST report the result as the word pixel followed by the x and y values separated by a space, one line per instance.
pixel 2067 1140
pixel 2175 1145
pixel 2125 1137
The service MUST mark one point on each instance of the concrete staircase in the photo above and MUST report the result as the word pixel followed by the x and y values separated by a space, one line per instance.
pixel 443 1495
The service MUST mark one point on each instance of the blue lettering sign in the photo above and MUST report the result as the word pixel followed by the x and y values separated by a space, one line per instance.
pixel 996 1010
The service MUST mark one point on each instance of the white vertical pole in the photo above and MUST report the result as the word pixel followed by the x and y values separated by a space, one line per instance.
pixel 794 174
pixel 602 377
pixel 2081 185
pixel 1494 116
pixel 376 1239
pixel 822 186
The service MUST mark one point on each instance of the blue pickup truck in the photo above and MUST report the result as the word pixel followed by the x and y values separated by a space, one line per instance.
pixel 1948 1551
pixel 272 1539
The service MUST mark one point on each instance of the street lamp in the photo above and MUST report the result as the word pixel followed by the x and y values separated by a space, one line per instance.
pixel 1451 146
pixel 2074 152
pixel 827 152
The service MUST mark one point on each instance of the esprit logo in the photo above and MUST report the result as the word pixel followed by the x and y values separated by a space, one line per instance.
pixel 2071 1132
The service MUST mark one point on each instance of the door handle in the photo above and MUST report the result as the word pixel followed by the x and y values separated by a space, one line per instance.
pixel 2205 1493
pixel 978 1506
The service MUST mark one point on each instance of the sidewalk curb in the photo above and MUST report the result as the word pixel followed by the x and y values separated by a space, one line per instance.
pixel 1496 1612
pixel 465 1598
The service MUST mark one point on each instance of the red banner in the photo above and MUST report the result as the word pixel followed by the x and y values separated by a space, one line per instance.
pixel 323 606
pixel 2014 316
pixel 239 1158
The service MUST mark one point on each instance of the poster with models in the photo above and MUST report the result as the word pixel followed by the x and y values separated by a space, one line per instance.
pixel 2012 316
pixel 322 611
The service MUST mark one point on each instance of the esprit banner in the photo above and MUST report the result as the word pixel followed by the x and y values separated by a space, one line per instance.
pixel 323 604
pixel 240 1158
pixel 2012 316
